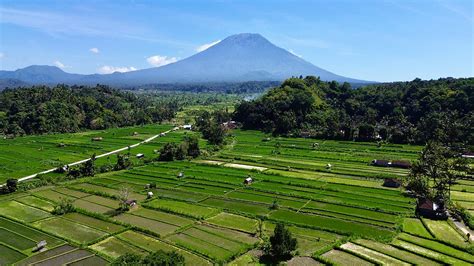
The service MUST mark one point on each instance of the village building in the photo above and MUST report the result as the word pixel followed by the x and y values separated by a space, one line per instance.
pixel 180 175
pixel 382 163
pixel 248 181
pixel 131 202
pixel 468 155
pixel 140 155
pixel 97 139
pixel 187 127
pixel 432 210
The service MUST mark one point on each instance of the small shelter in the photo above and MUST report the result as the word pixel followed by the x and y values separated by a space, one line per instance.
pixel 187 127
pixel 392 182
pixel 140 155
pixel 149 194
pixel 468 154
pixel 328 166
pixel 162 134
pixel 97 139
pixel 382 163
pixel 248 181
pixel 401 164
pixel 429 209
pixel 40 246
pixel 131 202
pixel 180 175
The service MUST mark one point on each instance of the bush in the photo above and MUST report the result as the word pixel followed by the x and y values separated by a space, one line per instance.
pixel 12 185
pixel 63 207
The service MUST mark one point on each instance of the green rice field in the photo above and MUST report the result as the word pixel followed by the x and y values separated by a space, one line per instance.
pixel 340 215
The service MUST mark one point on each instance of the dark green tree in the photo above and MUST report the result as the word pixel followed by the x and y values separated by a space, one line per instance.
pixel 167 152
pixel 282 243
pixel 12 184
pixel 128 259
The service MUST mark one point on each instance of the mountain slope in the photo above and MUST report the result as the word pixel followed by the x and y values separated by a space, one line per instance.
pixel 238 58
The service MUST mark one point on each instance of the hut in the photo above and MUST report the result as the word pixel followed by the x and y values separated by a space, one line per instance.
pixel 97 139
pixel 248 181
pixel 40 246
pixel 149 195
pixel 432 210
pixel 381 163
pixel 131 202
pixel 468 154
pixel 187 127
pixel 328 166
pixel 180 175
pixel 392 182
pixel 140 155
pixel 401 164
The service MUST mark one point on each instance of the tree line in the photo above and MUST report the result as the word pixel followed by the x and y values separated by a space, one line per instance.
pixel 400 112
pixel 62 109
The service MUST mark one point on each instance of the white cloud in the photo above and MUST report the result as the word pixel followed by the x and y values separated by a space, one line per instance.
pixel 94 50
pixel 158 60
pixel 293 52
pixel 206 46
pixel 59 64
pixel 112 69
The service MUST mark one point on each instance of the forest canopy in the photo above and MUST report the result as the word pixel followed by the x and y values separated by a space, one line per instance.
pixel 40 109
pixel 398 112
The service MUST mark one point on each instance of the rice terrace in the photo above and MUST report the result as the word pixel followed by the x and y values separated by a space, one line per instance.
pixel 339 214
pixel 263 132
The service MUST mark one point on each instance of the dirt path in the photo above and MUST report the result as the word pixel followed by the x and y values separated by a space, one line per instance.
pixel 461 226
pixel 97 156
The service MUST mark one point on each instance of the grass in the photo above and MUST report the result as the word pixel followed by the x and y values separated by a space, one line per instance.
pixel 113 247
pixel 29 232
pixel 395 252
pixel 15 240
pixel 9 255
pixel 443 231
pixel 22 212
pixel 73 231
pixel 371 255
pixel 238 206
pixel 66 258
pixel 338 257
pixel 151 244
pixel 437 246
pixel 147 224
pixel 234 222
pixel 162 217
pixel 414 226
pixel 190 210
pixel 332 224
pixel 24 156
pixel 425 252
pixel 37 203
pixel 93 222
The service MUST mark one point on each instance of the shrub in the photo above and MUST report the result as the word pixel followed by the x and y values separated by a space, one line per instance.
pixel 63 207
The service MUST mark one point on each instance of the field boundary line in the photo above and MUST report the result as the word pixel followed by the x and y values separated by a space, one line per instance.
pixel 98 156
pixel 303 206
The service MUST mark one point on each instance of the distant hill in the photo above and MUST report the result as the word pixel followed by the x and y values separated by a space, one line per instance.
pixel 12 83
pixel 238 58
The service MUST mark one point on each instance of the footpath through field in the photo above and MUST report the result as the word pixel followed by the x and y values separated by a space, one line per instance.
pixel 97 156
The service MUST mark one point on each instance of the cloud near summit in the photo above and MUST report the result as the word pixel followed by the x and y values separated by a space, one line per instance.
pixel 206 46
pixel 159 60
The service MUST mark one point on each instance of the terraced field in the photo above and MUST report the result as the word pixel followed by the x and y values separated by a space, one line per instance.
pixel 340 214
pixel 24 156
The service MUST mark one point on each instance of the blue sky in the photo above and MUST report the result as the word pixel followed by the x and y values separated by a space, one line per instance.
pixel 382 40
